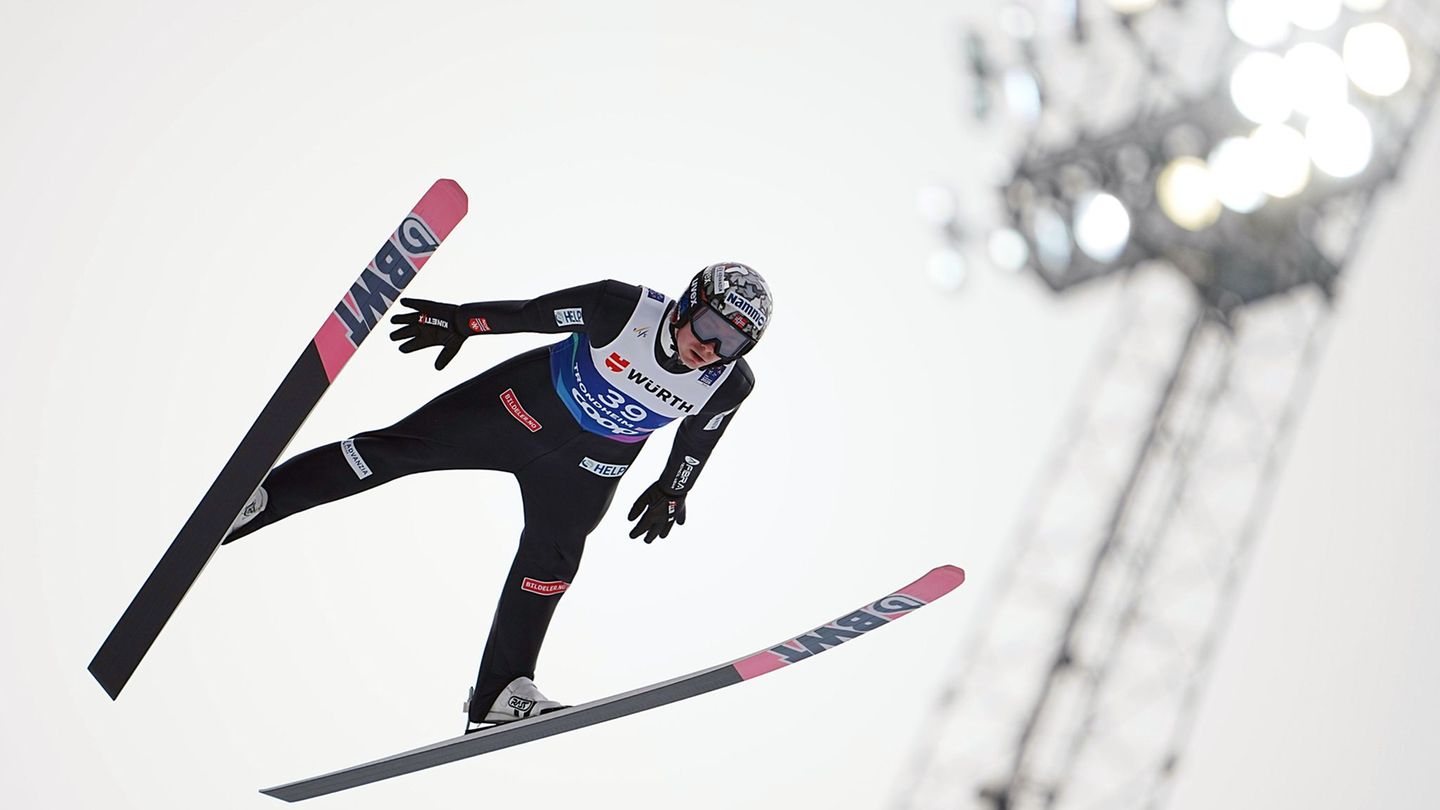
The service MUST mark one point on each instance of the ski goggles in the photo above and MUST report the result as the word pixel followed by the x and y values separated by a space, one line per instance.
pixel 711 327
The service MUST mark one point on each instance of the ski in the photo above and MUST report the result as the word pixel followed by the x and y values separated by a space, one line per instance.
pixel 917 594
pixel 359 311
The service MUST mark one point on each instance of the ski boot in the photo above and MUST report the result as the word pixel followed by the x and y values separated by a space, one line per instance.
pixel 518 700
pixel 253 508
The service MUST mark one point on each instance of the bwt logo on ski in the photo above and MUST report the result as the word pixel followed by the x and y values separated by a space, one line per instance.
pixel 543 588
pixel 382 280
pixel 846 627
pixel 616 363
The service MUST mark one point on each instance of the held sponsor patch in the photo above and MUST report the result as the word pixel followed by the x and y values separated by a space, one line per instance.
pixel 512 404
pixel 616 363
pixel 573 316
pixel 357 463
pixel 478 325
pixel 845 628
pixel 429 321
pixel 552 588
pixel 655 295
pixel 602 469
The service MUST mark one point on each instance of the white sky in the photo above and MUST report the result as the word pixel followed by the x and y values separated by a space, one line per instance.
pixel 190 186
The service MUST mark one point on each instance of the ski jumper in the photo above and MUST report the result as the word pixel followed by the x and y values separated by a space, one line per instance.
pixel 566 420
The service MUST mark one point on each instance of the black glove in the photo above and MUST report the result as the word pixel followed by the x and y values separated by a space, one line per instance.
pixel 431 324
pixel 658 511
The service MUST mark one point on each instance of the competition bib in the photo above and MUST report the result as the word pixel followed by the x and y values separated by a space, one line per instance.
pixel 619 390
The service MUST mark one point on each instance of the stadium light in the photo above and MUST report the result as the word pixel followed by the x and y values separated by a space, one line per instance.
pixel 1187 193
pixel 1340 141
pixel 1317 77
pixel 1283 159
pixel 1007 249
pixel 1262 23
pixel 1376 58
pixel 1314 15
pixel 1260 88
pixel 1235 167
pixel 1102 226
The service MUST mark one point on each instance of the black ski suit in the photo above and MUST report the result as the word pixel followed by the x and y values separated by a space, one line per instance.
pixel 523 417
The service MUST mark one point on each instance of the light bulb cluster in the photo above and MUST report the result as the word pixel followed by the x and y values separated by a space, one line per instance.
pixel 1301 101
pixel 1307 76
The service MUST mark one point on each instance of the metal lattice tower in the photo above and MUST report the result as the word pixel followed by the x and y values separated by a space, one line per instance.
pixel 1083 681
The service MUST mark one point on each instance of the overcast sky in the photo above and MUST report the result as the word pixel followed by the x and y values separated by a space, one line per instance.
pixel 188 189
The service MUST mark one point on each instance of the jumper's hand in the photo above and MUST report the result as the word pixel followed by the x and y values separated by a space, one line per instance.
pixel 657 511
pixel 431 324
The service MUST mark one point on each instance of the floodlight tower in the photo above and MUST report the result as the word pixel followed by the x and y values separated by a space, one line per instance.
pixel 1222 159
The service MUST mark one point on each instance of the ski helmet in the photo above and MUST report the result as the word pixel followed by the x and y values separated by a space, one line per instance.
pixel 727 305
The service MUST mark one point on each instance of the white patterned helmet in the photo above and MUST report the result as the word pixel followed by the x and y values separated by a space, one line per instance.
pixel 727 305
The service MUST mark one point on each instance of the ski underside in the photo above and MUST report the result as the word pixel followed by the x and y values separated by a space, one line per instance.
pixel 359 310
pixel 917 594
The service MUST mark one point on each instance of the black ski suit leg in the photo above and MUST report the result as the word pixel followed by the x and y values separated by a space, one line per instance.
pixel 563 502
pixel 465 428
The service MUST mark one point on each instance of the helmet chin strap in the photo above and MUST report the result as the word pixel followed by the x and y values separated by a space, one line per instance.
pixel 667 350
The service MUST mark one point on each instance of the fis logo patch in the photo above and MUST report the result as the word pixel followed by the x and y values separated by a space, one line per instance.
pixel 478 325
pixel 552 588
pixel 616 363
pixel 655 295
pixel 570 317
pixel 641 331
pixel 711 375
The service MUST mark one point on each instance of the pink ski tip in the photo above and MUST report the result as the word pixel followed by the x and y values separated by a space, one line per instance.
pixel 950 572
pixel 452 188
pixel 935 584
